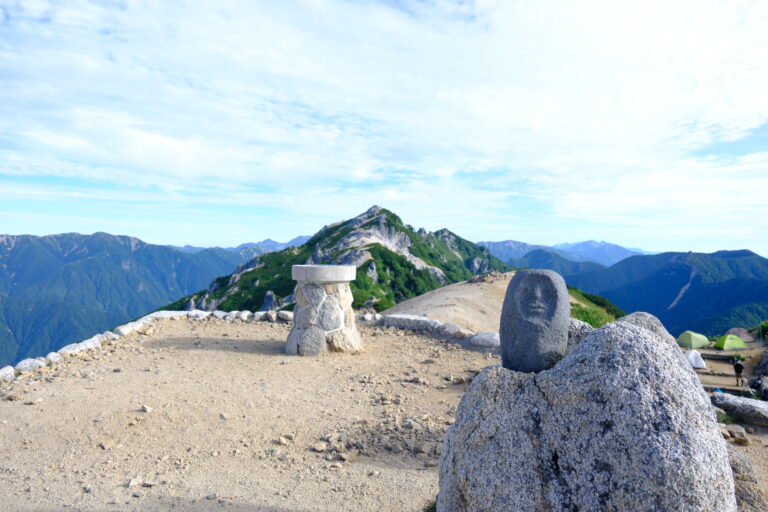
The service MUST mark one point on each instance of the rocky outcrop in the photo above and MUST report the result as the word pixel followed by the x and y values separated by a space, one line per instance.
pixel 620 423
pixel 745 410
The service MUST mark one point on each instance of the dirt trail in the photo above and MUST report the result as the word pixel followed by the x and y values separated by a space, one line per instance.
pixel 220 397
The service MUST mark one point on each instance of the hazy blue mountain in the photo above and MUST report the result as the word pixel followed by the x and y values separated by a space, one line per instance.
pixel 546 258
pixel 61 288
pixel 251 249
pixel 509 249
pixel 705 292
pixel 601 252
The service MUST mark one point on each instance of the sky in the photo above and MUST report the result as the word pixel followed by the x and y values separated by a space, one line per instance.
pixel 644 124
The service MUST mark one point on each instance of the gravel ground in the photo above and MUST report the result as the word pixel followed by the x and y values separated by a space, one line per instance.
pixel 213 416
pixel 210 415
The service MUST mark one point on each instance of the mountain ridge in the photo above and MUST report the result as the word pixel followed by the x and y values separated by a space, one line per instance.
pixel 394 262
pixel 100 280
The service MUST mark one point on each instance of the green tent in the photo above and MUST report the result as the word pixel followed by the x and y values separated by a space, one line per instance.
pixel 730 342
pixel 690 339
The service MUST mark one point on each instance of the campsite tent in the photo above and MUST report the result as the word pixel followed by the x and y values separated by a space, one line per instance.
pixel 730 342
pixel 695 359
pixel 690 339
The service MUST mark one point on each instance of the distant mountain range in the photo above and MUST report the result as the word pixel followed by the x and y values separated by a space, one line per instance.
pixel 250 249
pixel 709 293
pixel 394 262
pixel 599 252
pixel 62 288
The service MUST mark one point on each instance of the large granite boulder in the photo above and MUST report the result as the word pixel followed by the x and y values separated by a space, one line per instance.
pixel 620 423
pixel 649 322
pixel 745 410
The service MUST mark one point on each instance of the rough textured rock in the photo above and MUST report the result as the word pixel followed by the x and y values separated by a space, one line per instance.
pixel 745 410
pixel 28 365
pixel 485 339
pixel 7 373
pixel 270 302
pixel 198 314
pixel 345 340
pixel 53 357
pixel 71 349
pixel 411 322
pixel 748 495
pixel 577 331
pixel 309 341
pixel 649 322
pixel 285 316
pixel 534 321
pixel 621 423
pixel 449 329
pixel 323 319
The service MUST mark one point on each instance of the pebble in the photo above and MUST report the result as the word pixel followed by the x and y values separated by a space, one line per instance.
pixel 145 408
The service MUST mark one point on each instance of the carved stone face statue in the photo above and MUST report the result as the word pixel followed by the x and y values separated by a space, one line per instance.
pixel 534 321
pixel 536 298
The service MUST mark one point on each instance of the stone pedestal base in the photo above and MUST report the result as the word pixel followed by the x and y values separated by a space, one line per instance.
pixel 323 318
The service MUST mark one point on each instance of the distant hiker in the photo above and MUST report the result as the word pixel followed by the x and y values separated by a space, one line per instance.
pixel 738 369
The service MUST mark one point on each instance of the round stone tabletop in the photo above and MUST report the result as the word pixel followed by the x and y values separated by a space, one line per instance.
pixel 324 273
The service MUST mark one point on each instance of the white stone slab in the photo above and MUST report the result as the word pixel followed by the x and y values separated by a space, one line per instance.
pixel 28 365
pixel 324 273
pixel 53 357
pixel 485 339
pixel 7 373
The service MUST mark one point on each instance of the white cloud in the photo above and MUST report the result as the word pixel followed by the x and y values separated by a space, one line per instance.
pixel 591 110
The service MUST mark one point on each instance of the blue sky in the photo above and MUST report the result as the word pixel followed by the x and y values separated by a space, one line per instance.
pixel 217 123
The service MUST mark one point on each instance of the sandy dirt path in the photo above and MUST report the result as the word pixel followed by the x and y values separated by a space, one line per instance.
pixel 220 396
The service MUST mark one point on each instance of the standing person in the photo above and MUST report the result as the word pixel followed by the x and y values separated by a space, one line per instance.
pixel 738 369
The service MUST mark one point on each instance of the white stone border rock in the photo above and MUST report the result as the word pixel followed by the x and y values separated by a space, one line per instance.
pixel 9 373
pixel 437 329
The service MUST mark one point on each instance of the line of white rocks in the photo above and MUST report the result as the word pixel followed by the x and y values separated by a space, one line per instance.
pixel 441 330
pixel 9 373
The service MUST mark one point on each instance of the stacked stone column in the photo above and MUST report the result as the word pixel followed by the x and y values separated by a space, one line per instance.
pixel 323 319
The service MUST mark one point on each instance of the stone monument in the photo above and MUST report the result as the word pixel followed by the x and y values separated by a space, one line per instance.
pixel 621 422
pixel 323 318
pixel 534 321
